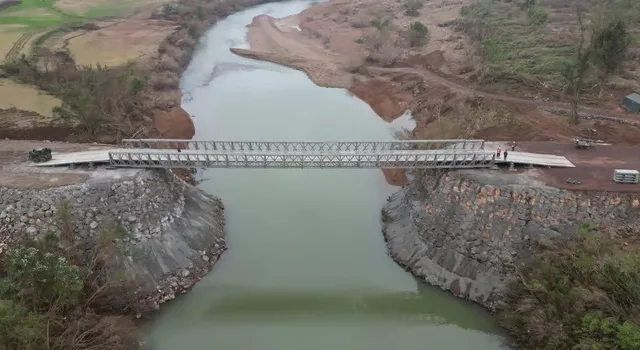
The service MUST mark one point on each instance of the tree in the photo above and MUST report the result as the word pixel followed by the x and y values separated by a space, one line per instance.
pixel 576 70
pixel 610 48
pixel 578 292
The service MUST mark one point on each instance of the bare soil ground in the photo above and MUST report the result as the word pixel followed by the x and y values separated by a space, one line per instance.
pixel 9 34
pixel 51 133
pixel 13 95
pixel 24 107
pixel 15 173
pixel 327 49
pixel 594 167
pixel 117 42
pixel 279 40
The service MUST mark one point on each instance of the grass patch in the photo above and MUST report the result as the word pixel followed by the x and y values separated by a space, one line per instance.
pixel 467 119
pixel 532 45
pixel 27 98
pixel 514 42
pixel 583 293
pixel 36 14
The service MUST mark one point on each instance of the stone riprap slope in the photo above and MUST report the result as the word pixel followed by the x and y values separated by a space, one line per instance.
pixel 465 231
pixel 175 232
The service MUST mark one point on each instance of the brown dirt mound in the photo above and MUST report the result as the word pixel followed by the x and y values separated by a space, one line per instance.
pixel 395 177
pixel 175 123
pixel 382 95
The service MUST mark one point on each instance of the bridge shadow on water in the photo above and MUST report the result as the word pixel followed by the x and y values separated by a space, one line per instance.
pixel 229 304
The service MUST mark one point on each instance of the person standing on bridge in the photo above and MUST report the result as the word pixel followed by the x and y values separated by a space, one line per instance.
pixel 499 151
pixel 513 146
pixel 505 154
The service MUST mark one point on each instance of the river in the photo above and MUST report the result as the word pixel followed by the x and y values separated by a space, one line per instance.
pixel 306 266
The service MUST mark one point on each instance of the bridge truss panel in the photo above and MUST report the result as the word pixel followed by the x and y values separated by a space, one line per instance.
pixel 308 146
pixel 195 159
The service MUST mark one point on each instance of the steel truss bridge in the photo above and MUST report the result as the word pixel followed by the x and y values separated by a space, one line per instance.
pixel 166 153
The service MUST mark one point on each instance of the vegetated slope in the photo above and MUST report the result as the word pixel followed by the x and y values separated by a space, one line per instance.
pixel 579 294
pixel 526 46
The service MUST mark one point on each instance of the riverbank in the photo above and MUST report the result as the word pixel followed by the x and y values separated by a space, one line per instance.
pixel 366 47
pixel 174 233
pixel 490 225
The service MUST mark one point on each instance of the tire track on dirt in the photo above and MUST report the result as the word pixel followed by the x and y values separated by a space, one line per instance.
pixel 18 45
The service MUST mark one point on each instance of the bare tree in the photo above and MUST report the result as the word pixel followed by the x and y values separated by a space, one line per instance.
pixel 576 71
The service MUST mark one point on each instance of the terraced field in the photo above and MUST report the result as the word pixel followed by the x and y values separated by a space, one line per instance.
pixel 27 24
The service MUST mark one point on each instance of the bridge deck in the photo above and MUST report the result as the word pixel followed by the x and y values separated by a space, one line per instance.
pixel 170 158
pixel 536 159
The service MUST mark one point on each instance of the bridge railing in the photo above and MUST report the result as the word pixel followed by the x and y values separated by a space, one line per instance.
pixel 156 158
pixel 310 146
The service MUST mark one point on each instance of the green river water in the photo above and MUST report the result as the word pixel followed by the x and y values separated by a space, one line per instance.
pixel 306 266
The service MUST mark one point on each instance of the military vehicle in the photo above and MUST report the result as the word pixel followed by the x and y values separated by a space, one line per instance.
pixel 583 144
pixel 40 155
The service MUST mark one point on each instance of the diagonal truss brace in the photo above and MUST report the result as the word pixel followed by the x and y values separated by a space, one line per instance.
pixel 163 158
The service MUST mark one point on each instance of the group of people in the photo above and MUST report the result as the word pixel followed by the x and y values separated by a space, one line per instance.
pixel 505 153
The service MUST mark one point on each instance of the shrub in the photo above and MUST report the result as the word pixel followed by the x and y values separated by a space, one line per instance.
pixel 165 80
pixel 537 16
pixel 58 298
pixel 168 63
pixel 41 277
pixel 583 293
pixel 418 33
pixel 168 10
pixel 413 7
pixel 19 328
pixel 46 302
pixel 379 23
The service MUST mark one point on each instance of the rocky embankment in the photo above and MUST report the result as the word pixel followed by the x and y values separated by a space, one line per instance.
pixel 467 231
pixel 175 232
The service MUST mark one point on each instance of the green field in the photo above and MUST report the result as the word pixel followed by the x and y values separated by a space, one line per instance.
pixel 45 13
pixel 35 13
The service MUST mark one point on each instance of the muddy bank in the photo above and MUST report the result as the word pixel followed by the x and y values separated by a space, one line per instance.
pixel 320 42
pixel 466 231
